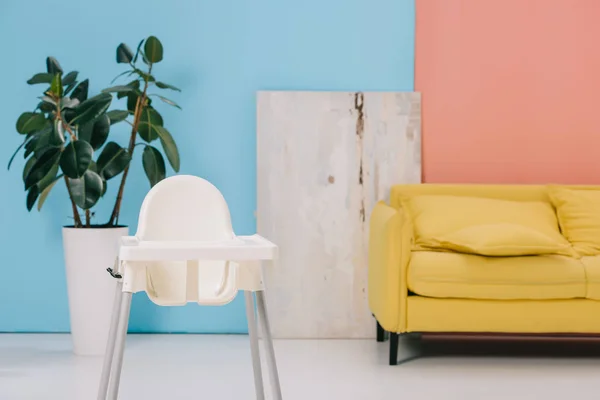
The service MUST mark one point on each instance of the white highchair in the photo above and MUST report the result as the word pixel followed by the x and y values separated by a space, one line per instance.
pixel 184 251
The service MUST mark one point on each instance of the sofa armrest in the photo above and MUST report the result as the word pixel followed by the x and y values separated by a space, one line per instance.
pixel 390 239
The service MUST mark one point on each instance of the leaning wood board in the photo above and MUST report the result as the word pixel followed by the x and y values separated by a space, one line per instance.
pixel 324 160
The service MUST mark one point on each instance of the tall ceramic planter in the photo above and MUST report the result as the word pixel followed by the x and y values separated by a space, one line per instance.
pixel 88 252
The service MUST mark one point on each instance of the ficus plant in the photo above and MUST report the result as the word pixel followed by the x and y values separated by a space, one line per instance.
pixel 66 136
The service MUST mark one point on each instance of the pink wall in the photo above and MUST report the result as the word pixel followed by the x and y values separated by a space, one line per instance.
pixel 511 90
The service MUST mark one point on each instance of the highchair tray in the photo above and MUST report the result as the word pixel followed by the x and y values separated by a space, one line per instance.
pixel 240 248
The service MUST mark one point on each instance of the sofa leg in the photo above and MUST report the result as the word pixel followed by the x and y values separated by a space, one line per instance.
pixel 407 344
pixel 394 337
pixel 381 333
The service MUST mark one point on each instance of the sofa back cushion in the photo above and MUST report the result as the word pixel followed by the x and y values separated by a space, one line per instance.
pixel 501 239
pixel 399 193
pixel 485 226
pixel 578 213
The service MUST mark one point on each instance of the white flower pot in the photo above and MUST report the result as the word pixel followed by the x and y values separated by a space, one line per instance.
pixel 88 253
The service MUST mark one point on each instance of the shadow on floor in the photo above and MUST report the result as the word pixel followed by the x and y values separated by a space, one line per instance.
pixel 511 348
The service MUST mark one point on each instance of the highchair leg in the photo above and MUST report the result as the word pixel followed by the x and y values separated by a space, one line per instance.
pixel 254 346
pixel 115 373
pixel 110 345
pixel 263 317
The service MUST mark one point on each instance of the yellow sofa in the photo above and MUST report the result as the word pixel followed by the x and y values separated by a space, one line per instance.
pixel 420 284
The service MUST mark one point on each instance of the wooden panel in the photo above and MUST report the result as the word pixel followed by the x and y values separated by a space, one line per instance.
pixel 324 160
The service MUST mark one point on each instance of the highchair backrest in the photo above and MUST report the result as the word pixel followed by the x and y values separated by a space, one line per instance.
pixel 187 208
pixel 184 208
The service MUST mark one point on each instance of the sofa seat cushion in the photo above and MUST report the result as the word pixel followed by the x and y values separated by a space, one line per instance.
pixel 592 271
pixel 454 275
pixel 489 227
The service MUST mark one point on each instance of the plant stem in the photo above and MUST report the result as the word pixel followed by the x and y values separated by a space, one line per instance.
pixel 65 125
pixel 87 218
pixel 139 106
pixel 68 128
pixel 76 217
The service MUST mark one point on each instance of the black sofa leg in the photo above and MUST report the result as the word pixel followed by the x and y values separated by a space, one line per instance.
pixel 380 333
pixel 394 337
pixel 410 344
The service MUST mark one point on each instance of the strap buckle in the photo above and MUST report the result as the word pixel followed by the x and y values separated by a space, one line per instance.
pixel 114 273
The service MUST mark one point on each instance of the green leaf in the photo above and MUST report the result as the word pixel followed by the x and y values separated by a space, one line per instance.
pixel 95 132
pixel 116 116
pixel 46 192
pixel 32 196
pixel 69 88
pixel 104 187
pixel 28 166
pixel 112 160
pixel 27 139
pixel 46 107
pixel 92 108
pixel 40 78
pixel 70 78
pixel 46 139
pixel 29 122
pixel 169 147
pixel 86 190
pixel 150 119
pixel 93 166
pixel 59 133
pixel 39 139
pixel 135 84
pixel 132 101
pixel 168 101
pixel 46 180
pixel 144 58
pixel 163 85
pixel 153 49
pixel 118 89
pixel 44 163
pixel 120 75
pixel 48 99
pixel 30 146
pixel 56 86
pixel 137 52
pixel 31 167
pixel 76 158
pixel 85 131
pixel 124 54
pixel 68 102
pixel 68 115
pixel 154 165
pixel 45 185
pixel 81 91
pixel 145 76
pixel 53 67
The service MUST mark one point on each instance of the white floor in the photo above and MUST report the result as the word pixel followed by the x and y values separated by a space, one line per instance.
pixel 181 367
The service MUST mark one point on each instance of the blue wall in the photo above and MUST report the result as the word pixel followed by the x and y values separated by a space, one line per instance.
pixel 220 53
